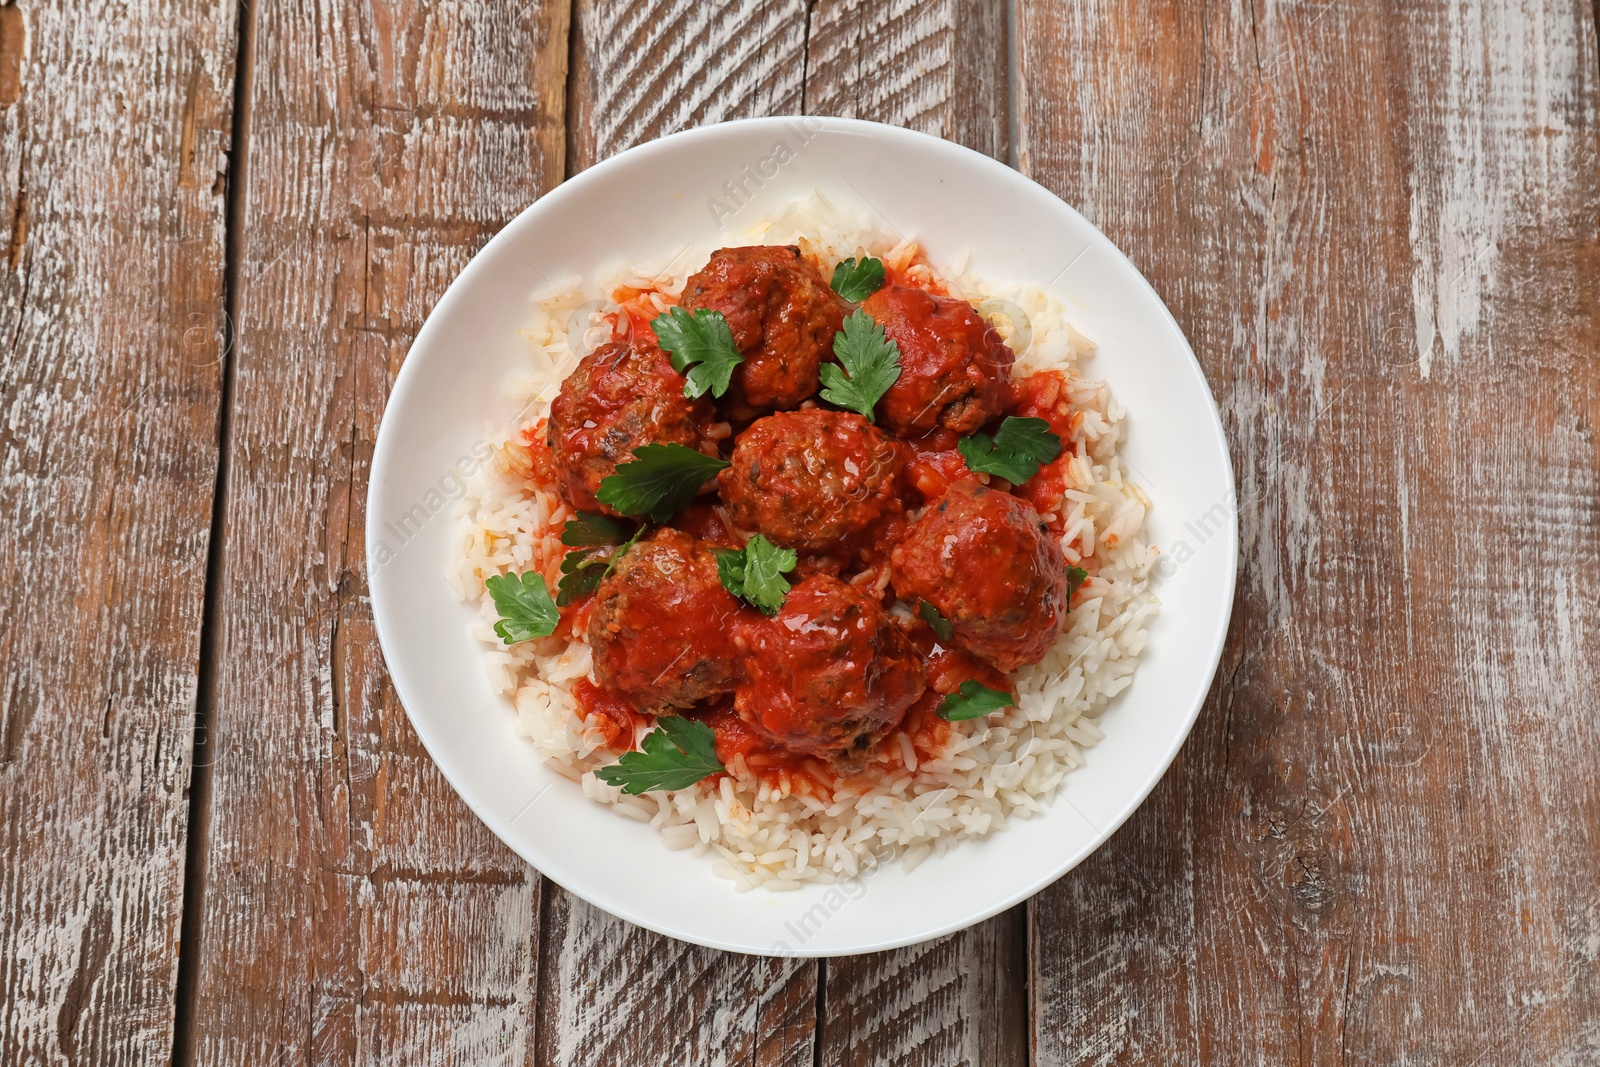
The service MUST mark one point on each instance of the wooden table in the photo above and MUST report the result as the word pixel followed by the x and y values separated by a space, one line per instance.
pixel 221 226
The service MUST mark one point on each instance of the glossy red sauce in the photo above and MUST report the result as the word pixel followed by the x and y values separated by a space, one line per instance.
pixel 935 463
pixel 773 764
pixel 613 718
pixel 1043 396
pixel 705 522
pixel 930 735
pixel 542 463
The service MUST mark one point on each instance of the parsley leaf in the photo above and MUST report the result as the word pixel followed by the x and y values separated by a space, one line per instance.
pixel 580 575
pixel 872 360
pixel 658 481
pixel 525 608
pixel 938 623
pixel 589 529
pixel 1076 576
pixel 974 700
pixel 675 755
pixel 755 572
pixel 701 346
pixel 1014 453
pixel 855 280
pixel 582 572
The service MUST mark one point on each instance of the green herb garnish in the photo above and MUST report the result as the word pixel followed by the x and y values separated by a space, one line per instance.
pixel 701 346
pixel 756 572
pixel 974 700
pixel 525 608
pixel 938 623
pixel 582 572
pixel 675 755
pixel 856 279
pixel 871 360
pixel 589 528
pixel 658 481
pixel 1014 452
pixel 1076 576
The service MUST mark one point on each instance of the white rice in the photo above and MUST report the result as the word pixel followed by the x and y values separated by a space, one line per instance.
pixel 1007 765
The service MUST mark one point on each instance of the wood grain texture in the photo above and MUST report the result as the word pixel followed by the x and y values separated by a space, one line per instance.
pixel 1376 225
pixel 959 1000
pixel 114 126
pixel 644 69
pixel 939 66
pixel 613 993
pixel 354 909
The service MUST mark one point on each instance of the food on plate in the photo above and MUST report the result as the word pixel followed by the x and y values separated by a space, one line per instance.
pixel 622 395
pixel 814 479
pixel 830 674
pixel 988 565
pixel 955 372
pixel 661 628
pixel 793 557
pixel 783 318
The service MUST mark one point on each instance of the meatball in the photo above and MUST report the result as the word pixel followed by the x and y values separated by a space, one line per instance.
pixel 831 673
pixel 813 479
pixel 985 560
pixel 783 316
pixel 662 628
pixel 955 372
pixel 622 395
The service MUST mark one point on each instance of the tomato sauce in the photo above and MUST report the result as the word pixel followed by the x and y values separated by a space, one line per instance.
pixel 541 462
pixel 636 309
pixel 934 464
pixel 773 764
pixel 1043 396
pixel 706 522
pixel 613 718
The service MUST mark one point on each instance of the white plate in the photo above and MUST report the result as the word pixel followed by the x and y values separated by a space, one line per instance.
pixel 654 199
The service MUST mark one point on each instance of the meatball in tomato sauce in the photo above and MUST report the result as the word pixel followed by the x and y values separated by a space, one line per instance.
pixel 985 560
pixel 831 673
pixel 783 316
pixel 662 627
pixel 622 395
pixel 955 372
pixel 813 479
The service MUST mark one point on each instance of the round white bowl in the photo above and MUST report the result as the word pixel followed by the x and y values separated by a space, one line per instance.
pixel 644 203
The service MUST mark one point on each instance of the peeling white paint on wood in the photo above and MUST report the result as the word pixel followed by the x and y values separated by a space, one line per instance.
pixel 1377 843
pixel 110 332
pixel 355 909
pixel 1498 148
pixel 642 70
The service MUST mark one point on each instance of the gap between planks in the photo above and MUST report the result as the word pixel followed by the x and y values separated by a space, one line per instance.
pixel 201 760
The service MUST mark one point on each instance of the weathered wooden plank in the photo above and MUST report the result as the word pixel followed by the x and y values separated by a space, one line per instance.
pixel 611 992
pixel 729 59
pixel 354 909
pixel 114 128
pixel 959 1000
pixel 939 66
pixel 1376 226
